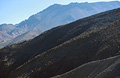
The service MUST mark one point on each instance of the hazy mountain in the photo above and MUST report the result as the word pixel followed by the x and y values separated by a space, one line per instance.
pixel 7 27
pixel 57 15
pixel 5 30
pixel 7 38
pixel 21 38
pixel 4 37
pixel 62 14
pixel 67 47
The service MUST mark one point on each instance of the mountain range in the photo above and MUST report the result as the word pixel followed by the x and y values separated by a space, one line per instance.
pixel 85 48
pixel 53 16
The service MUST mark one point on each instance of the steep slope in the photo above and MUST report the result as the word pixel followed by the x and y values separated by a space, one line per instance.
pixel 92 38
pixel 94 45
pixel 58 15
pixel 107 68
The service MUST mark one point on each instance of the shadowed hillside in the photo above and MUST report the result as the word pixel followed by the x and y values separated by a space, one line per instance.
pixel 63 48
pixel 107 68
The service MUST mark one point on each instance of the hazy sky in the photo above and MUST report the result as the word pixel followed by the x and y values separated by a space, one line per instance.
pixel 15 11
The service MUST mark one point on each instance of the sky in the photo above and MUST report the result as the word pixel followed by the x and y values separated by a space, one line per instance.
pixel 15 11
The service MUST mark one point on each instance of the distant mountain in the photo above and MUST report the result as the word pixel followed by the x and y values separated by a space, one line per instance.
pixel 56 15
pixel 4 37
pixel 93 41
pixel 7 38
pixel 5 30
pixel 21 38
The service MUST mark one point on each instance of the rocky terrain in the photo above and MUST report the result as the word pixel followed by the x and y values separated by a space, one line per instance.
pixel 88 47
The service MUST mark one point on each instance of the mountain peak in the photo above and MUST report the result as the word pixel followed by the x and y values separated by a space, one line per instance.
pixel 78 3
pixel 54 5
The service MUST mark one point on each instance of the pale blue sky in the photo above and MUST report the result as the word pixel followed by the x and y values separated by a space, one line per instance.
pixel 15 11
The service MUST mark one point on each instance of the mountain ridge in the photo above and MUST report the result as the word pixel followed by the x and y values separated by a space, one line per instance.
pixel 64 48
pixel 57 14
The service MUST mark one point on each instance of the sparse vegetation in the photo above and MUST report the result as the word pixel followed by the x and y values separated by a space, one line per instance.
pixel 64 48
